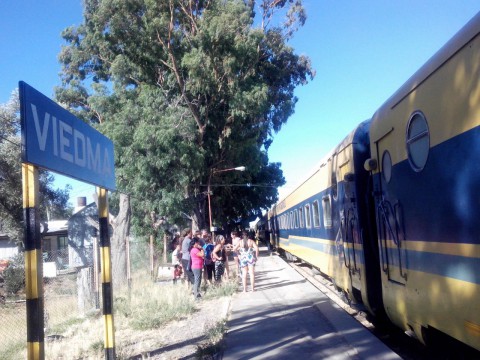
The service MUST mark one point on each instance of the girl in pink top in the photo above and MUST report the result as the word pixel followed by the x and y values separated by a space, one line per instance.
pixel 197 256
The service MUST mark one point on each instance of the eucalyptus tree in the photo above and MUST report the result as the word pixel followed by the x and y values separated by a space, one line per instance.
pixel 53 201
pixel 185 88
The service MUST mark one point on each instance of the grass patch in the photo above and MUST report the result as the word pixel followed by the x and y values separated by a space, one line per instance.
pixel 214 343
pixel 13 350
pixel 152 306
pixel 64 326
pixel 138 314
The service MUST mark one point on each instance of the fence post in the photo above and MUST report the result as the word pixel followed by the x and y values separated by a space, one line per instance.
pixel 129 265
pixel 96 272
pixel 33 264
pixel 152 267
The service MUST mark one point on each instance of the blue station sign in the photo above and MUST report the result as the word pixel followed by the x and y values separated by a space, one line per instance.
pixel 53 138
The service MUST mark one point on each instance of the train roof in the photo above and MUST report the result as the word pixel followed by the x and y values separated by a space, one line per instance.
pixel 457 42
pixel 349 139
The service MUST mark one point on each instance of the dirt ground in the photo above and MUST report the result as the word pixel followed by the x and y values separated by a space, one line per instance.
pixel 181 339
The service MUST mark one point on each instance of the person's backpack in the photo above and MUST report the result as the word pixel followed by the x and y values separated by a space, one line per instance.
pixel 208 254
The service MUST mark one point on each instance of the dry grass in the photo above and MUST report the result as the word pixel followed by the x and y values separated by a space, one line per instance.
pixel 141 317
pixel 14 331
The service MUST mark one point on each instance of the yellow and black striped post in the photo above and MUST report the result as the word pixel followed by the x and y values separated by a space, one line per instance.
pixel 106 273
pixel 33 264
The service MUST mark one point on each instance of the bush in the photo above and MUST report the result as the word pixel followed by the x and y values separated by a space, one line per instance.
pixel 14 275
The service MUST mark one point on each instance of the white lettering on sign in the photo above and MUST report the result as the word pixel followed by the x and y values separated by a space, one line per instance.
pixel 70 144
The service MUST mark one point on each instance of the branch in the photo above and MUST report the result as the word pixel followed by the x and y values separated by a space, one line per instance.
pixel 180 81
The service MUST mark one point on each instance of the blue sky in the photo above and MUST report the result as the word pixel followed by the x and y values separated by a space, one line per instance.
pixel 361 50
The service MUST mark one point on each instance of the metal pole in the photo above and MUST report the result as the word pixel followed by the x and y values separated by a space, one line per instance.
pixel 33 264
pixel 209 205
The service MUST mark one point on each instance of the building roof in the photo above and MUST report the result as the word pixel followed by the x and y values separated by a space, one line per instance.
pixel 55 226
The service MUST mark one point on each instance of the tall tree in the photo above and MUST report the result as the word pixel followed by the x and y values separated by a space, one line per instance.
pixel 185 88
pixel 53 201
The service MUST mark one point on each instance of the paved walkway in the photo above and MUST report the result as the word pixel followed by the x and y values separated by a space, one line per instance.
pixel 288 318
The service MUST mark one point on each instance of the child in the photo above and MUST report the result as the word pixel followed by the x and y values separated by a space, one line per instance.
pixel 177 273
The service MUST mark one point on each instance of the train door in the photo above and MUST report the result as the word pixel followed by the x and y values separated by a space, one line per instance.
pixel 391 235
pixel 346 239
pixel 349 224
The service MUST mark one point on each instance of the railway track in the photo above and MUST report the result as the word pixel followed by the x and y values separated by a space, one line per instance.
pixel 404 345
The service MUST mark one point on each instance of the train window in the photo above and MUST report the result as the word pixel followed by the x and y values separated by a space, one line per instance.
pixel 327 211
pixel 307 216
pixel 295 214
pixel 334 177
pixel 300 218
pixel 316 214
pixel 292 220
pixel 418 141
pixel 386 166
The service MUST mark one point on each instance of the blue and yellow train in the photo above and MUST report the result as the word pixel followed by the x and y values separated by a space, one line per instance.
pixel 392 214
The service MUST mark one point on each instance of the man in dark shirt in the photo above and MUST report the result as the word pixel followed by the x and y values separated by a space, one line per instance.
pixel 187 238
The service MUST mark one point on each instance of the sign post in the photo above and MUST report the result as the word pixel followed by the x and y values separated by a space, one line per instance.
pixel 33 264
pixel 55 139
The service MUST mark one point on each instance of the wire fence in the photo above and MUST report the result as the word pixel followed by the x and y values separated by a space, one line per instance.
pixel 72 292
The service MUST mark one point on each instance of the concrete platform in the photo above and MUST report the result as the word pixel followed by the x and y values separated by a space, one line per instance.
pixel 288 318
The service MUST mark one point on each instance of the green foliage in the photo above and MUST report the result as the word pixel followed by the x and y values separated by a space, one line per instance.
pixel 14 275
pixel 183 90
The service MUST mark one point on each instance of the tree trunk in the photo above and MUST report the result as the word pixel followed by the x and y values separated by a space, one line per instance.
pixel 197 220
pixel 85 294
pixel 165 247
pixel 121 231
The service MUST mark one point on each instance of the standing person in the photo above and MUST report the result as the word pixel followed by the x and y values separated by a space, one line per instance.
pixel 247 254
pixel 188 274
pixel 267 241
pixel 199 234
pixel 197 256
pixel 219 257
pixel 235 241
pixel 204 234
pixel 177 273
pixel 177 255
pixel 209 263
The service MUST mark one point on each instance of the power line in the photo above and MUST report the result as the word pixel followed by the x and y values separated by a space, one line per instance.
pixel 10 141
pixel 241 185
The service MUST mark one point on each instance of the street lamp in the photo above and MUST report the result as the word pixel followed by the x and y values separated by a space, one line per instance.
pixel 212 172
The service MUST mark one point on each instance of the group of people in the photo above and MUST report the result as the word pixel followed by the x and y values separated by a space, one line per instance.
pixel 198 256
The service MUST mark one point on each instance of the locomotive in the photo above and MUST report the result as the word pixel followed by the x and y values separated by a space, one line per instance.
pixel 391 213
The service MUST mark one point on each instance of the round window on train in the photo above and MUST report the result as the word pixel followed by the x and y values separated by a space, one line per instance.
pixel 418 141
pixel 386 166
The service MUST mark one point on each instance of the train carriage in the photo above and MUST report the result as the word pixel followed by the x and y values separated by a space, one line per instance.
pixel 426 142
pixel 326 221
pixel 403 235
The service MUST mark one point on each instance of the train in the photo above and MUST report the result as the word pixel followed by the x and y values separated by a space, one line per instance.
pixel 391 214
